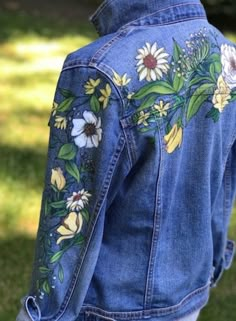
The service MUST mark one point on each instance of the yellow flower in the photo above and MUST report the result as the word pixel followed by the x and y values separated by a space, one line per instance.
pixel 120 81
pixel 60 122
pixel 173 139
pixel 162 108
pixel 142 118
pixel 91 86
pixel 106 93
pixel 71 226
pixel 58 179
pixel 54 108
pixel 222 94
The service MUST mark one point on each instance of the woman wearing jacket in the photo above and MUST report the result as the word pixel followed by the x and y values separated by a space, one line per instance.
pixel 141 172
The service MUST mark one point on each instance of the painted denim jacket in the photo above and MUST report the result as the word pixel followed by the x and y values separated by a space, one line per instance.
pixel 141 171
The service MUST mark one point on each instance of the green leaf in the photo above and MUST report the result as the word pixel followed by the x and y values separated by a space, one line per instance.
pixel 212 71
pixel 85 214
pixel 214 114
pixel 65 105
pixel 73 170
pixel 57 256
pixel 46 207
pixel 157 87
pixel 46 287
pixel 67 152
pixel 66 93
pixel 61 274
pixel 61 213
pixel 178 82
pixel 95 104
pixel 148 102
pixel 43 269
pixel 79 240
pixel 59 204
pixel 233 96
pixel 177 51
pixel 200 95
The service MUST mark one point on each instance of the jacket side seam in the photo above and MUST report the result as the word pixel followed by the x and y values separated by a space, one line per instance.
pixel 156 229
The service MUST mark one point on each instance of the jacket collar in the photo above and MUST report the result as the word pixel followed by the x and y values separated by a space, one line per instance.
pixel 111 15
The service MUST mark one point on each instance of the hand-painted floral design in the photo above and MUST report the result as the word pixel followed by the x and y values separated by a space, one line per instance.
pixel 60 122
pixel 78 200
pixel 74 138
pixel 152 62
pixel 121 81
pixel 162 108
pixel 58 179
pixel 71 226
pixel 106 93
pixel 228 60
pixel 174 138
pixel 198 73
pixel 87 131
pixel 91 86
pixel 222 94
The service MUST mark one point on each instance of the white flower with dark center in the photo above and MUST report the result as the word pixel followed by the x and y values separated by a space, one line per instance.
pixel 152 62
pixel 228 60
pixel 87 131
pixel 78 200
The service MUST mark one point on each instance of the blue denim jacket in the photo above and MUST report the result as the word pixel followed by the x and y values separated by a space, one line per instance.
pixel 141 171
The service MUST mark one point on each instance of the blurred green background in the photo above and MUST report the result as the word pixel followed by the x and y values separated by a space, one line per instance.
pixel 35 37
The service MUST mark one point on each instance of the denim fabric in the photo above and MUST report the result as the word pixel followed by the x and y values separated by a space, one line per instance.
pixel 141 170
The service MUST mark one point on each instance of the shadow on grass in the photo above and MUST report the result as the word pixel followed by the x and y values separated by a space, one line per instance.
pixel 15 266
pixel 23 165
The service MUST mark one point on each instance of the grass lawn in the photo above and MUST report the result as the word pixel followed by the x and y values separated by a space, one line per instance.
pixel 31 56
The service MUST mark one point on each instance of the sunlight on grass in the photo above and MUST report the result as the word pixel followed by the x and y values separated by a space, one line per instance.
pixel 30 67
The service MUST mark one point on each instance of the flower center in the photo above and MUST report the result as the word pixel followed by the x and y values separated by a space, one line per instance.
pixel 150 61
pixel 90 129
pixel 77 197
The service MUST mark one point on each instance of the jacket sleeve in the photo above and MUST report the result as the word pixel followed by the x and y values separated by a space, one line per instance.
pixel 85 145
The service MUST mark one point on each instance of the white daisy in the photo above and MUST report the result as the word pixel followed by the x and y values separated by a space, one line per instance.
pixel 78 200
pixel 87 131
pixel 152 62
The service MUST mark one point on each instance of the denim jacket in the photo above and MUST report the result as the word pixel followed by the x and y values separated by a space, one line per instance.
pixel 141 169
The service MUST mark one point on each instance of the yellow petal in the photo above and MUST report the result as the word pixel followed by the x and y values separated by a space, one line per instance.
pixel 70 221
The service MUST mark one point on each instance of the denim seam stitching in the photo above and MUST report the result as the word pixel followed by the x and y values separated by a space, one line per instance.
pixel 77 64
pixel 156 230
pixel 130 315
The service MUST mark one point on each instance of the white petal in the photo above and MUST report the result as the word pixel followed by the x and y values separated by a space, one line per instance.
pixel 98 125
pixel 89 142
pixel 99 133
pixel 153 75
pixel 158 72
pixel 154 48
pixel 89 117
pixel 95 140
pixel 80 140
pixel 140 62
pixel 140 68
pixel 78 127
pixel 143 74
pixel 142 52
